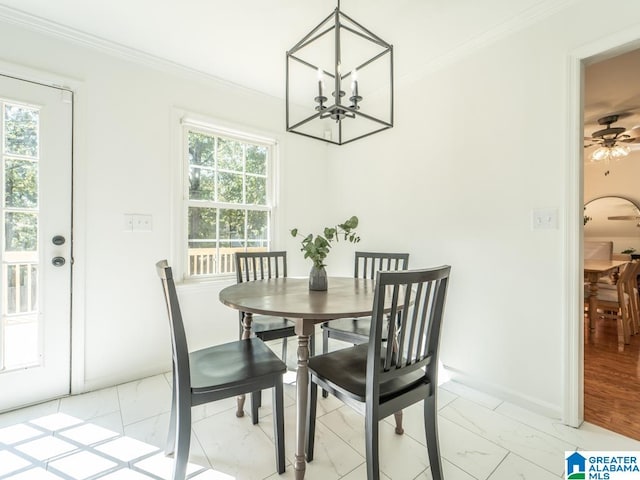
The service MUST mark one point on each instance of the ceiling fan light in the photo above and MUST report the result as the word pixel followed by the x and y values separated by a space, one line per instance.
pixel 599 154
pixel 620 151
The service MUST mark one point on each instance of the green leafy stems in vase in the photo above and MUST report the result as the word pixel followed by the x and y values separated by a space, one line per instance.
pixel 317 247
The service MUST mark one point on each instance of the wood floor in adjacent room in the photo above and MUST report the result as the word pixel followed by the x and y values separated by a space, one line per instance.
pixel 612 380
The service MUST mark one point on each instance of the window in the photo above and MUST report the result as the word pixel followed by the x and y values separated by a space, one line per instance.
pixel 229 194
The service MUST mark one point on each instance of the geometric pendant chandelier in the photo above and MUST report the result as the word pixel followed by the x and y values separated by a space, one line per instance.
pixel 339 82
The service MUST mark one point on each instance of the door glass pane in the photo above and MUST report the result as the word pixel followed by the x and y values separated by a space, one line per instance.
pixel 19 328
pixel 21 183
pixel 21 130
pixel 21 232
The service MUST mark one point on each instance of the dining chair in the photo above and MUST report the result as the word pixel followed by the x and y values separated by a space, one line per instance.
pixel 356 330
pixel 631 291
pixel 616 303
pixel 215 373
pixel 252 266
pixel 379 378
pixel 598 250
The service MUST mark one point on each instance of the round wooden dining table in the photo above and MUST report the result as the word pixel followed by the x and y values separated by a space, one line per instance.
pixel 291 298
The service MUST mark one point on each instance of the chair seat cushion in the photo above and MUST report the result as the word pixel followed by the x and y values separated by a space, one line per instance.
pixel 346 370
pixel 272 327
pixel 233 363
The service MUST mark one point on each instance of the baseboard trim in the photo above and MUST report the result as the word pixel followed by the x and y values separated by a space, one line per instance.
pixel 505 394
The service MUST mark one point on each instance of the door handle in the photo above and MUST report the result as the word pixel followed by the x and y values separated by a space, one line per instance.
pixel 58 240
pixel 58 261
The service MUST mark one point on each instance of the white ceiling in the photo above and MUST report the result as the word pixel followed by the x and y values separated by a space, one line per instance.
pixel 244 41
pixel 611 87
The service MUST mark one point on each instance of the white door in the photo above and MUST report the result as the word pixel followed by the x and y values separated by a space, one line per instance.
pixel 35 249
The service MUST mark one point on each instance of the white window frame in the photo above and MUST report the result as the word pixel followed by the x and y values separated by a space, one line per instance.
pixel 238 134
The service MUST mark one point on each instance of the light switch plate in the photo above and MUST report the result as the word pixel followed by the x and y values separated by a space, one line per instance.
pixel 544 218
pixel 134 222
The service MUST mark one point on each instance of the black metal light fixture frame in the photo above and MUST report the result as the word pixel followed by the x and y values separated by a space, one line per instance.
pixel 336 109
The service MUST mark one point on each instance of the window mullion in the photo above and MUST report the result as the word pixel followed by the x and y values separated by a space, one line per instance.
pixel 244 196
pixel 216 176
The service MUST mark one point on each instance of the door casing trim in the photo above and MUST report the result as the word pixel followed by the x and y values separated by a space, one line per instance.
pixel 573 331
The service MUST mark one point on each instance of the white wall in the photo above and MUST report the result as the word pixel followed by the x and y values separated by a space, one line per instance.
pixel 477 145
pixel 124 140
pixel 620 181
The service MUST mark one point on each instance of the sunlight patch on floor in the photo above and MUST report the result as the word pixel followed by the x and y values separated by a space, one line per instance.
pixel 62 447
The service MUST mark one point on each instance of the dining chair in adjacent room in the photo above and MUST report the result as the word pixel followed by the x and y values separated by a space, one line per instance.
pixel 379 378
pixel 252 266
pixel 598 250
pixel 356 330
pixel 630 291
pixel 215 373
pixel 615 303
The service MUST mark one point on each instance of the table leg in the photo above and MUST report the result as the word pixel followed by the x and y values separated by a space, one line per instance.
pixel 246 333
pixel 302 387
pixel 304 330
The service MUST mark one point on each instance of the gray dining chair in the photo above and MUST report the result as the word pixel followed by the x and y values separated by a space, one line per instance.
pixel 356 330
pixel 215 373
pixel 251 266
pixel 379 378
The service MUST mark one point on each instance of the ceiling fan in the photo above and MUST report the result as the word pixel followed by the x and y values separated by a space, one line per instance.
pixel 612 142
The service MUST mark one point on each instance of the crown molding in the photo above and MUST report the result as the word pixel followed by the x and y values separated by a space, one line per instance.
pixel 114 49
pixel 521 21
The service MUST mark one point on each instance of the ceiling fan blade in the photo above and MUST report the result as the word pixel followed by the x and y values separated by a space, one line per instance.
pixel 624 217
pixel 633 135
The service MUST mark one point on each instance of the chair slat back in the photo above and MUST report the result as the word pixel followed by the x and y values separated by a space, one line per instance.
pixel 260 265
pixel 368 263
pixel 623 284
pixel 179 345
pixel 416 299
pixel 598 250
pixel 632 290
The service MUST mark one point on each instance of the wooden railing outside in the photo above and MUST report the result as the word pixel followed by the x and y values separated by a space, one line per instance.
pixel 203 261
pixel 19 295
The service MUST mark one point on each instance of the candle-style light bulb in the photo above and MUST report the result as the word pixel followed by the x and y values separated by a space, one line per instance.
pixel 319 82
pixel 354 83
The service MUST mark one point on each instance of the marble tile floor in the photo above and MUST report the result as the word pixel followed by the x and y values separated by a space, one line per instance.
pixel 118 434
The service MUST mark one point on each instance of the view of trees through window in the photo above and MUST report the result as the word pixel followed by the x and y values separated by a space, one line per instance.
pixel 228 203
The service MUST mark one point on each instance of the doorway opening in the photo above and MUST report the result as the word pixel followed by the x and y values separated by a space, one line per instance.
pixel 611 99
